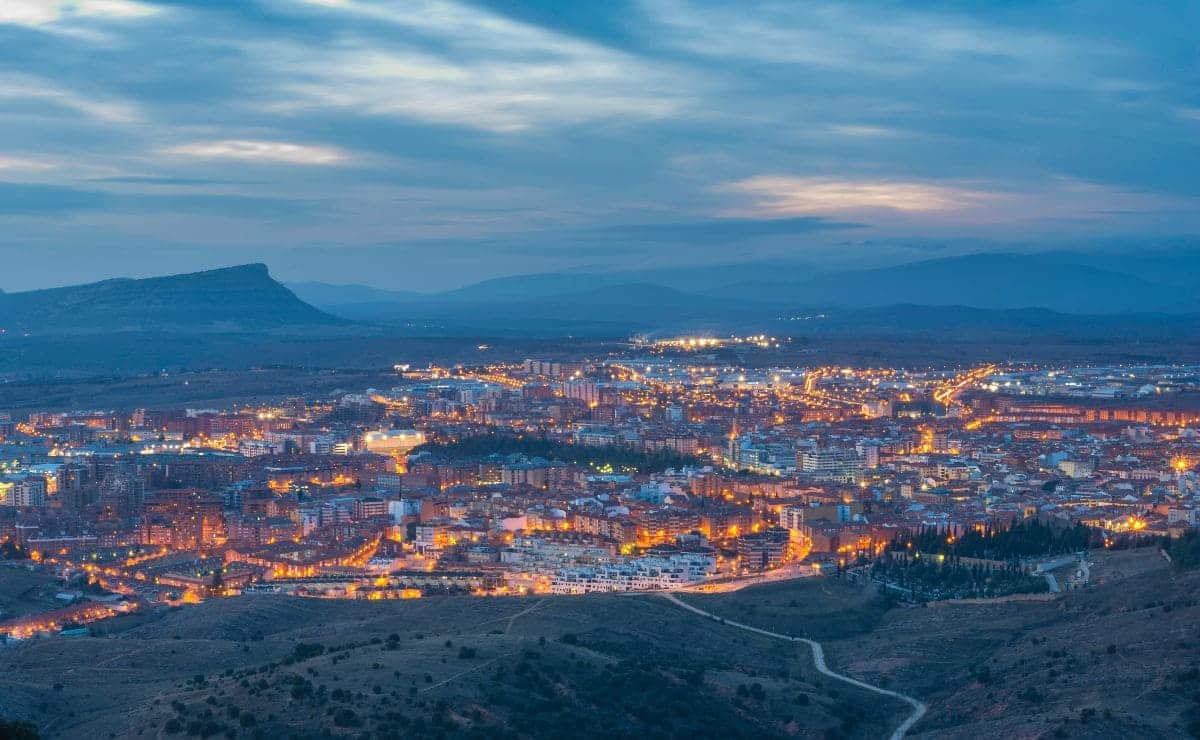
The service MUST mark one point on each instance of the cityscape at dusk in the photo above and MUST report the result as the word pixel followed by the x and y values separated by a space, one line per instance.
pixel 522 369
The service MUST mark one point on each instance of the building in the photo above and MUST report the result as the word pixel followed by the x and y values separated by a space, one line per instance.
pixel 394 442
pixel 638 574
pixel 764 550
pixel 834 464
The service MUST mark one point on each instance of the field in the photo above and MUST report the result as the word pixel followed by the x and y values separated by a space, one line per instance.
pixel 1118 658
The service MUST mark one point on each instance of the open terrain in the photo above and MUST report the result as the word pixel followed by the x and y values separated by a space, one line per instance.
pixel 1118 658
pixel 452 666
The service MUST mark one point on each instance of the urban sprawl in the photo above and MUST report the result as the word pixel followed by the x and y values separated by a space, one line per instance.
pixel 664 468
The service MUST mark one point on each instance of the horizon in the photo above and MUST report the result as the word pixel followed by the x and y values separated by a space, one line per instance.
pixel 437 144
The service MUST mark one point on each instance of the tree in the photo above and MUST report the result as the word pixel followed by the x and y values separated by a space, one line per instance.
pixel 217 585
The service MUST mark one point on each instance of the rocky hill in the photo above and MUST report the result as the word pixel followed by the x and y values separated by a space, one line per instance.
pixel 233 299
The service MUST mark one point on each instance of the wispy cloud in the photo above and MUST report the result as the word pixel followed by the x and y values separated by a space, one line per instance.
pixel 776 196
pixel 721 230
pixel 863 131
pixel 271 152
pixel 23 163
pixel 46 12
pixel 450 63
pixel 891 42
pixel 18 90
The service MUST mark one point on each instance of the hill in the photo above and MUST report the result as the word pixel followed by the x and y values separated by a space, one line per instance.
pixel 1119 658
pixel 592 666
pixel 233 299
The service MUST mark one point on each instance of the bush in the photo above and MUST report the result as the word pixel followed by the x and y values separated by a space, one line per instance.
pixel 345 718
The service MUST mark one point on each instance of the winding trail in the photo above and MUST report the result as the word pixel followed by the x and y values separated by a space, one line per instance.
pixel 818 654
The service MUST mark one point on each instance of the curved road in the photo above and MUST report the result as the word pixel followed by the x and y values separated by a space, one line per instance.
pixel 818 654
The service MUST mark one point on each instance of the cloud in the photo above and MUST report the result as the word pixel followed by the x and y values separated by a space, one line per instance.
pixel 890 41
pixel 22 90
pixel 722 230
pixel 271 152
pixel 38 13
pixel 449 63
pixel 863 131
pixel 775 196
pixel 519 134
pixel 22 163
pixel 169 181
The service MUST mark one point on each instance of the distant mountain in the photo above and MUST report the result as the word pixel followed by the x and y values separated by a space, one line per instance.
pixel 965 322
pixel 233 299
pixel 323 295
pixel 1060 282
pixel 606 309
pixel 1064 282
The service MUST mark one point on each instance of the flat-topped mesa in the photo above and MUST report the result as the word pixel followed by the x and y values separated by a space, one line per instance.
pixel 239 298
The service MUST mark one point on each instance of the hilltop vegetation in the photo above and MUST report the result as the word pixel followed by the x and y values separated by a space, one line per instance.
pixel 1010 543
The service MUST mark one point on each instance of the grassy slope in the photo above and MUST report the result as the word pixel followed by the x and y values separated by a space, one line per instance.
pixel 1014 669
pixel 629 667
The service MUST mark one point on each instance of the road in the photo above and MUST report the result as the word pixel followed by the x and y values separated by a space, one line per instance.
pixel 785 573
pixel 818 654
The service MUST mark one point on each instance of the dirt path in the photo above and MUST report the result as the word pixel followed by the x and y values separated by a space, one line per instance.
pixel 818 655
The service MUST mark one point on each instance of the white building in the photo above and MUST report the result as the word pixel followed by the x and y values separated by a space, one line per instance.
pixel 639 574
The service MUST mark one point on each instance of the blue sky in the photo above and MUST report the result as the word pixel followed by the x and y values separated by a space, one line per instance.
pixel 427 144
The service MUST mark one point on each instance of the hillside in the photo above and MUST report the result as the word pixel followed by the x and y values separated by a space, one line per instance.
pixel 1117 659
pixel 595 666
pixel 232 299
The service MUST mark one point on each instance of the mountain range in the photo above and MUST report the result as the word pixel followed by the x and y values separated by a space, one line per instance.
pixel 1002 289
pixel 1071 294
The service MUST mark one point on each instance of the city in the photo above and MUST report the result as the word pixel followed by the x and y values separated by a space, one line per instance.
pixel 657 469
pixel 528 369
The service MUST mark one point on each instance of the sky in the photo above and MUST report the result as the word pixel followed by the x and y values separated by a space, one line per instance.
pixel 427 144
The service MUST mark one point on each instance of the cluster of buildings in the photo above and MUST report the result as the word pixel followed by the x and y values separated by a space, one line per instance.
pixel 659 470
